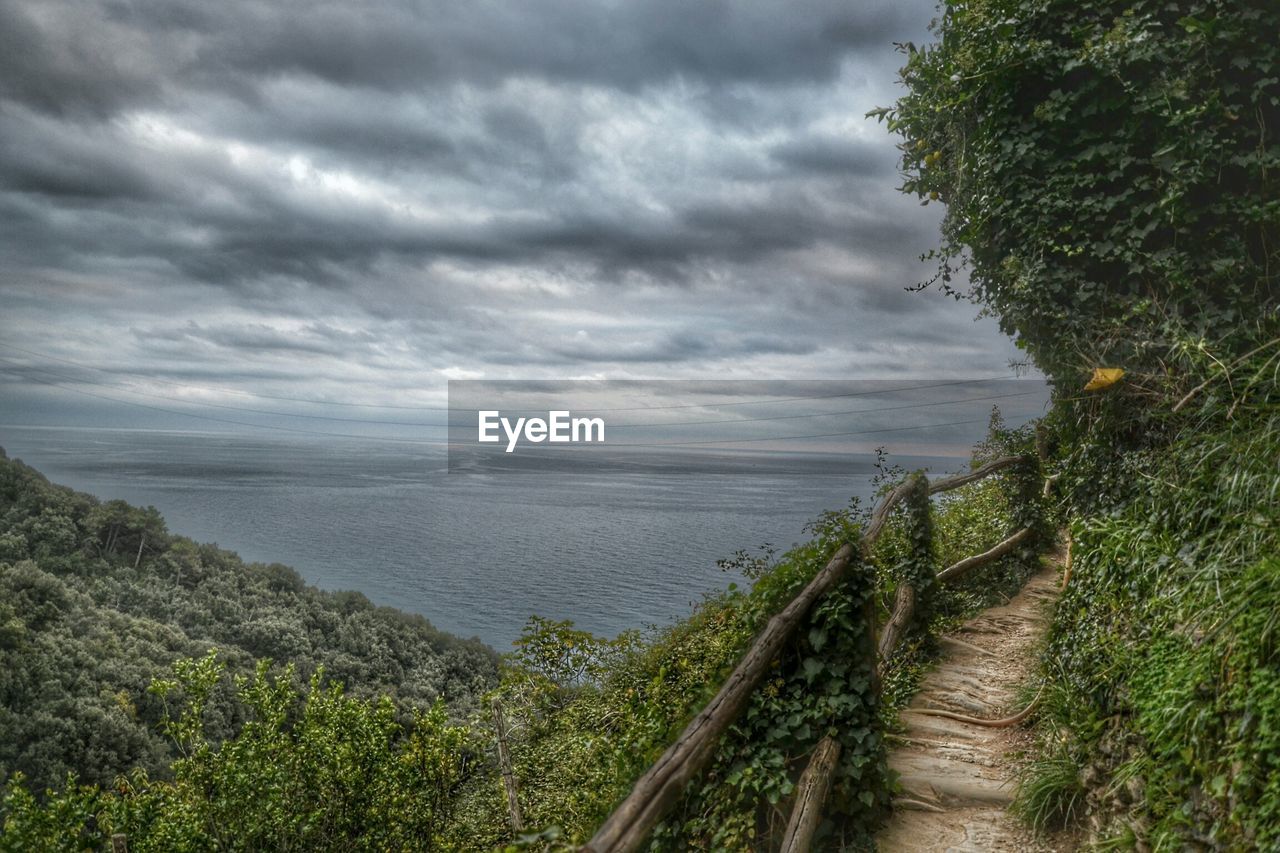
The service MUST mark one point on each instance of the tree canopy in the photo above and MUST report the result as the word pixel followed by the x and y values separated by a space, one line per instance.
pixel 97 599
pixel 1111 171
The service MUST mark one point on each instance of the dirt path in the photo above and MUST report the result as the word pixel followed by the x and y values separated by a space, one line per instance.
pixel 957 778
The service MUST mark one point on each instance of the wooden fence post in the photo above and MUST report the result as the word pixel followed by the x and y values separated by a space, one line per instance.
pixel 504 763
pixel 811 796
pixel 916 588
pixel 815 783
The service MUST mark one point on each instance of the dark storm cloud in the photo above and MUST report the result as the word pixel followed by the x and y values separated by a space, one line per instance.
pixel 830 155
pixel 257 337
pixel 364 199
pixel 66 57
pixel 61 56
pixel 680 347
pixel 44 161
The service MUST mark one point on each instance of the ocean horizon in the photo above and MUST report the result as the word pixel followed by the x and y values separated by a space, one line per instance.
pixel 476 553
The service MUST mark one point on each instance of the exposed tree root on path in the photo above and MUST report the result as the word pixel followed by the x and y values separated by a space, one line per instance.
pixel 976 721
pixel 958 756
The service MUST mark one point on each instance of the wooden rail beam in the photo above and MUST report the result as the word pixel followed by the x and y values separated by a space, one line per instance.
pixel 952 573
pixel 946 484
pixel 634 819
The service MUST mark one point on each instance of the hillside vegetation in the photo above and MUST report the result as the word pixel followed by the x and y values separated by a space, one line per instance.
pixel 263 757
pixel 1164 661
pixel 98 599
pixel 1112 179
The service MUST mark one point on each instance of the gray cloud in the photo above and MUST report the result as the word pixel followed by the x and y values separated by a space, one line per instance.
pixel 363 200
pixel 69 55
pixel 833 155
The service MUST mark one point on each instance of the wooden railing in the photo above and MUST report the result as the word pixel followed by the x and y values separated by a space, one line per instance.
pixel 630 824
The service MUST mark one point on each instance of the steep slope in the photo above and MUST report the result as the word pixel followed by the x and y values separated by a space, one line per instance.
pixel 98 599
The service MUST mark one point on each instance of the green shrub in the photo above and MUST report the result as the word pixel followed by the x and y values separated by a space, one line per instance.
pixel 314 770
pixel 1167 636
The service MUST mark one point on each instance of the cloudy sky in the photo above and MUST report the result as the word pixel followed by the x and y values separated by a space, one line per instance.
pixel 242 202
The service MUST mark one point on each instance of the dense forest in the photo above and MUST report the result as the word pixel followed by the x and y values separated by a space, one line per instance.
pixel 98 599
pixel 1111 176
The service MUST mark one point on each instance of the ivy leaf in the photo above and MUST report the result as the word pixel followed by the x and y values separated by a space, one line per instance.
pixel 812 666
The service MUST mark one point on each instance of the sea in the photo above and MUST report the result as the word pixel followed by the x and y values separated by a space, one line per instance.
pixel 475 551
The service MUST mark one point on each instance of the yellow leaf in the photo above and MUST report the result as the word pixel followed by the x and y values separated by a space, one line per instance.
pixel 1104 377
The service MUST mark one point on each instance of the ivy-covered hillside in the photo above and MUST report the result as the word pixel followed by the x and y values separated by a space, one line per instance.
pixel 1111 173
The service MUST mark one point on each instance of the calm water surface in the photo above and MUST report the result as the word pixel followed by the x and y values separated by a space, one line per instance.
pixel 476 553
